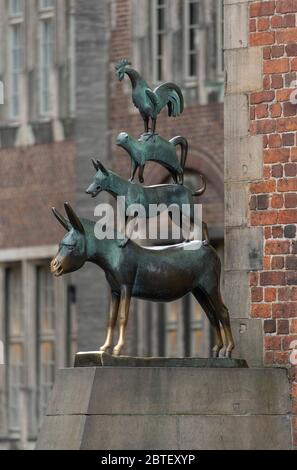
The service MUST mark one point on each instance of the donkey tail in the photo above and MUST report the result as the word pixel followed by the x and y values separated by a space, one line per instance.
pixel 200 191
pixel 184 153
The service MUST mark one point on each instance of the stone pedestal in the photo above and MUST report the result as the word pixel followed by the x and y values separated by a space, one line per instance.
pixel 168 408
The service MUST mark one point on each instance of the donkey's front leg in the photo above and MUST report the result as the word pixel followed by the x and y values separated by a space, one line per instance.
pixel 112 320
pixel 123 320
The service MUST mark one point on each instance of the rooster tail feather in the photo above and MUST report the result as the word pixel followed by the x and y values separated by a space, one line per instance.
pixel 170 95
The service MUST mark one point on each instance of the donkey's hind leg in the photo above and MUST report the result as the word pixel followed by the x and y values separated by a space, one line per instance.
pixel 202 299
pixel 223 316
pixel 225 320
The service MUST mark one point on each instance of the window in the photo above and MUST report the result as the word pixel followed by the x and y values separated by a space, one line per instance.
pixel 15 55
pixel 72 50
pixel 16 7
pixel 220 37
pixel 46 330
pixel 45 4
pixel 158 38
pixel 15 345
pixel 192 20
pixel 46 64
pixel 46 55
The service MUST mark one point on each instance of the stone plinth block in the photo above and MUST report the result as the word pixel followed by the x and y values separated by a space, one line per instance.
pixel 168 408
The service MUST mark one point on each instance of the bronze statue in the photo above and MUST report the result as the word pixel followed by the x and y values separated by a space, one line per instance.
pixel 161 275
pixel 146 196
pixel 155 149
pixel 151 102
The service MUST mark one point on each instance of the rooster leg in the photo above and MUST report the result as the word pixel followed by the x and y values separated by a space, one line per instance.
pixel 154 122
pixel 153 129
pixel 146 124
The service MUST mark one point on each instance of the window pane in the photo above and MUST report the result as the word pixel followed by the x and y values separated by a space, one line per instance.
pixel 43 4
pixel 46 64
pixel 161 19
pixel 15 380
pixel 194 13
pixel 192 36
pixel 159 11
pixel 46 337
pixel 16 7
pixel 193 65
pixel 16 52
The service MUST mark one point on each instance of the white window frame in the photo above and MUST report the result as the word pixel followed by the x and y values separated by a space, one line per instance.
pixel 15 20
pixel 155 32
pixel 187 50
pixel 46 15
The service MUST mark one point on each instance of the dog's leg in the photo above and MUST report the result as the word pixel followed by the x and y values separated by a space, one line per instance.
pixel 128 232
pixel 112 320
pixel 123 318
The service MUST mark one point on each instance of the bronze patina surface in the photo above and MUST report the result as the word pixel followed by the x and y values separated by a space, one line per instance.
pixel 161 275
pixel 151 102
pixel 155 149
pixel 146 196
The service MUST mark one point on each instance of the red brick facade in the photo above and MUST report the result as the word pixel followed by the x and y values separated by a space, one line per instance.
pixel 273 200
pixel 201 125
pixel 34 179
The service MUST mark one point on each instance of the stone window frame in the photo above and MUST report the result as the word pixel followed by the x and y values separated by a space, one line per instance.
pixel 15 371
pixel 28 259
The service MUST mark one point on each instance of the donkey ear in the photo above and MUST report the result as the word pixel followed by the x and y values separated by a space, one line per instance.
pixel 96 166
pixel 73 218
pixel 64 222
pixel 102 168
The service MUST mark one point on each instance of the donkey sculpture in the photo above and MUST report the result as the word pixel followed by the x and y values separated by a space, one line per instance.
pixel 161 275
pixel 147 197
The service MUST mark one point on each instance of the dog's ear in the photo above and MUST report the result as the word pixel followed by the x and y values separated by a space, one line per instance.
pixel 102 168
pixel 96 166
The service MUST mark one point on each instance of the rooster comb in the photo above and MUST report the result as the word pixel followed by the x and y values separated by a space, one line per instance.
pixel 122 64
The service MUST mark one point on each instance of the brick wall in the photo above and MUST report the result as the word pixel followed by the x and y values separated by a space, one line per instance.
pixel 273 199
pixel 33 180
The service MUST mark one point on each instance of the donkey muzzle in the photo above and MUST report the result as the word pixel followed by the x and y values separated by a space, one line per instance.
pixel 56 267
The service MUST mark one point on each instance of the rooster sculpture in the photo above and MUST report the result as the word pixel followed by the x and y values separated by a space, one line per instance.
pixel 151 102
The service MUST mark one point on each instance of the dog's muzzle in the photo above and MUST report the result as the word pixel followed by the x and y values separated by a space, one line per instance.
pixel 93 192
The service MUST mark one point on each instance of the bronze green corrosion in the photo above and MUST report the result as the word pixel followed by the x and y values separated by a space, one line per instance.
pixel 156 149
pixel 160 275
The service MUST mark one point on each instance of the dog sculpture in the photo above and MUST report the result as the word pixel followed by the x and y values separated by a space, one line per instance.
pixel 146 196
pixel 147 274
